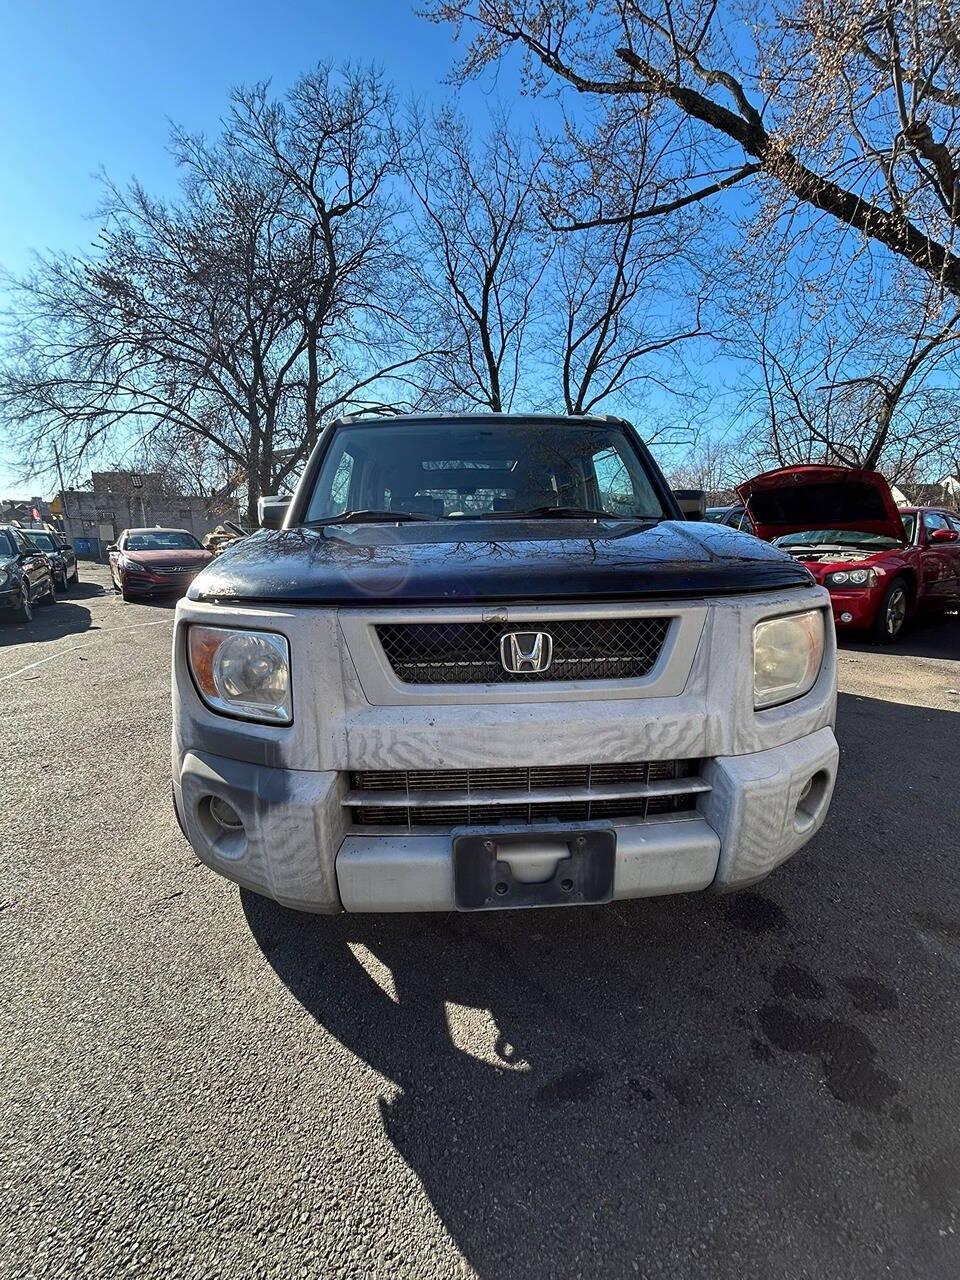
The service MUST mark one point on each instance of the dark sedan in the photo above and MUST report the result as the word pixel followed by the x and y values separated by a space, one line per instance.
pixel 147 562
pixel 26 578
pixel 62 557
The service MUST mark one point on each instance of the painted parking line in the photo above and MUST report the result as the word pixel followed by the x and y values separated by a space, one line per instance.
pixel 100 631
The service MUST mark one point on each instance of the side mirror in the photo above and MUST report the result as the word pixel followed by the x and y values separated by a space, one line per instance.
pixel 692 502
pixel 944 535
pixel 112 546
pixel 272 512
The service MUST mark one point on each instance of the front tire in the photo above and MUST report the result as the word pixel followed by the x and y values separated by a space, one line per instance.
pixel 892 614
pixel 24 611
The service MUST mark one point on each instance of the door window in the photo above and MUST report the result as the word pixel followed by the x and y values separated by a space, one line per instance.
pixel 934 520
pixel 614 484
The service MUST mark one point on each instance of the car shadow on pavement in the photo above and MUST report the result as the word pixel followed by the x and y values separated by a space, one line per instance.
pixel 83 590
pixel 926 637
pixel 678 1086
pixel 50 622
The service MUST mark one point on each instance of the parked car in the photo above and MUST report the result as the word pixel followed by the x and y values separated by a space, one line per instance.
pixel 26 577
pixel 485 664
pixel 881 565
pixel 147 562
pixel 735 516
pixel 62 556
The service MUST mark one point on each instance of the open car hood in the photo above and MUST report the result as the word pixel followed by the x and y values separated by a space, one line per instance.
pixel 796 499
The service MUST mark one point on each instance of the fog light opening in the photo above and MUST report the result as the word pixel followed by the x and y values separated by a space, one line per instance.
pixel 846 617
pixel 224 814
pixel 223 827
pixel 811 800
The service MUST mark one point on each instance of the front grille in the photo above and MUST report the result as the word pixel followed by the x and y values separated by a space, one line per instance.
pixel 469 652
pixel 633 791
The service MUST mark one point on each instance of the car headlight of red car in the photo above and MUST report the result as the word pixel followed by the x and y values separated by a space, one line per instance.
pixel 851 578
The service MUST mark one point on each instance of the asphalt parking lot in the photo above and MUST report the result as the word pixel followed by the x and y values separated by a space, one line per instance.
pixel 197 1083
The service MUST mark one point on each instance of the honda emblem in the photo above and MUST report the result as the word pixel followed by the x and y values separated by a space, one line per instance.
pixel 526 651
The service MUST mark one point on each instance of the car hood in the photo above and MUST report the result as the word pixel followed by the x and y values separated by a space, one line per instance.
pixel 493 561
pixel 170 559
pixel 795 499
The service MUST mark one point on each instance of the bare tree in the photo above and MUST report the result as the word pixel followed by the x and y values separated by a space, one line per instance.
pixel 625 302
pixel 863 374
pixel 478 260
pixel 716 463
pixel 844 107
pixel 236 314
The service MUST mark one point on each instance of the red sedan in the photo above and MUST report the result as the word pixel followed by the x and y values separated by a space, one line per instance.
pixel 880 564
pixel 146 562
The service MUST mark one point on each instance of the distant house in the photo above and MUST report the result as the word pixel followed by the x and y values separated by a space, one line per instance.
pixel 24 511
pixel 945 493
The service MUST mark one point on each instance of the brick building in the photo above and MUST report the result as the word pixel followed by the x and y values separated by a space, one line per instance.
pixel 119 500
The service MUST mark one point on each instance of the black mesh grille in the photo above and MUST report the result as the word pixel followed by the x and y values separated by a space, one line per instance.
pixel 469 652
pixel 527 783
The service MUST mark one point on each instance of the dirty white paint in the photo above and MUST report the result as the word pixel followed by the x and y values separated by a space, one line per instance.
pixel 288 783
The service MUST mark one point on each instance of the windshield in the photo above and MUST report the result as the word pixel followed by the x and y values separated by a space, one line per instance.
pixel 450 471
pixel 162 540
pixel 836 538
pixel 42 540
pixel 715 514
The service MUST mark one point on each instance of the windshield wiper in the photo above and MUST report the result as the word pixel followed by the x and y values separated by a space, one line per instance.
pixel 368 517
pixel 563 513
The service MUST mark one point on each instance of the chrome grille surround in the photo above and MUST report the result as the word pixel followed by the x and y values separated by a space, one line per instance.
pixel 632 791
pixel 468 652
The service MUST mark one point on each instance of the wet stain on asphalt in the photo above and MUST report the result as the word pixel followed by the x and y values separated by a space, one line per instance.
pixel 754 913
pixel 860 1140
pixel 846 1055
pixel 638 1091
pixel 570 1086
pixel 793 980
pixel 869 995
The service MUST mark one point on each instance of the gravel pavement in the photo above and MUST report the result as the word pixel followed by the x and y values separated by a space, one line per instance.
pixel 197 1083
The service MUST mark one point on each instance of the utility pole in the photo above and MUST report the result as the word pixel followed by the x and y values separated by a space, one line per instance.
pixel 63 492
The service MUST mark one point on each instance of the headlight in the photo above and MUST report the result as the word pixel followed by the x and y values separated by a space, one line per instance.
pixel 243 673
pixel 851 578
pixel 787 653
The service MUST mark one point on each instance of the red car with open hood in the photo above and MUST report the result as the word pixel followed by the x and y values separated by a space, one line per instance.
pixel 146 562
pixel 879 563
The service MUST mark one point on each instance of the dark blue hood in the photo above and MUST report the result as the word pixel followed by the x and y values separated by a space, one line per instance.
pixel 493 561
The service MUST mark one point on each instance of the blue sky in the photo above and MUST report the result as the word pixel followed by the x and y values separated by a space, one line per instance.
pixel 92 85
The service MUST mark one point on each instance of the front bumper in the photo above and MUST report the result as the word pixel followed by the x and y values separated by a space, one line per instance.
pixel 143 586
pixel 297 845
pixel 855 610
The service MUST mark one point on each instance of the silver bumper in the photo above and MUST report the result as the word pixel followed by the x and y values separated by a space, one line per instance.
pixel 298 848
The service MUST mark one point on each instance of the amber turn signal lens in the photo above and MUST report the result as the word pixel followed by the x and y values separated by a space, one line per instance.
pixel 204 643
